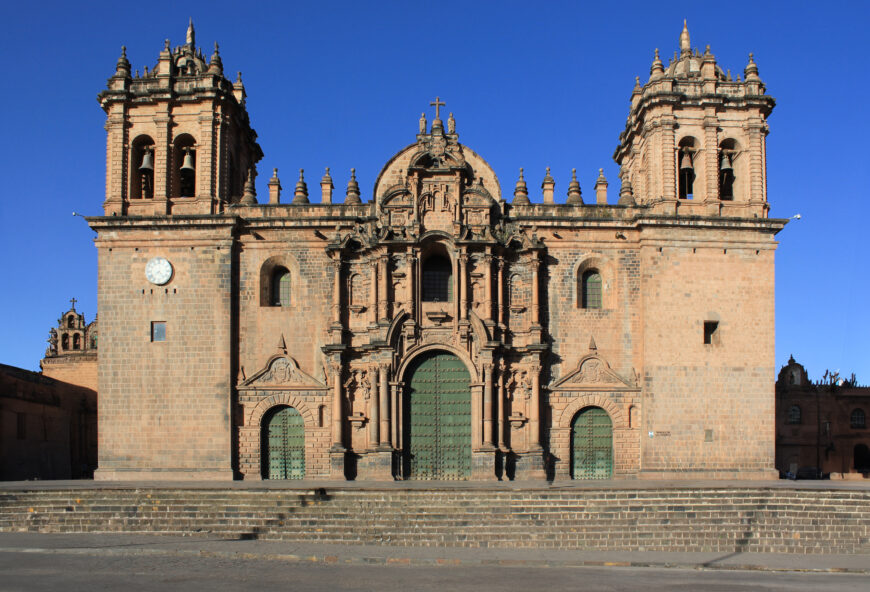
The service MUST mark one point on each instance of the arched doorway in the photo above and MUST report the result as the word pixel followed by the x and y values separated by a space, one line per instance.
pixel 283 444
pixel 862 458
pixel 437 418
pixel 592 444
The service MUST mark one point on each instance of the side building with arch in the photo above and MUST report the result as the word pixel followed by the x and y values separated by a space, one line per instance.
pixel 436 328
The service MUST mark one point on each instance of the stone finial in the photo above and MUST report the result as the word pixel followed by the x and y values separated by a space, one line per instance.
pixel 282 345
pixel 300 196
pixel 191 34
pixel 352 194
pixel 601 188
pixel 326 187
pixel 122 69
pixel 575 196
pixel 274 188
pixel 592 346
pixel 637 88
pixel 239 89
pixel 422 123
pixel 521 193
pixel 166 45
pixel 249 197
pixel 707 51
pixel 657 69
pixel 548 185
pixel 751 71
pixel 685 43
pixel 451 125
pixel 626 197
pixel 215 65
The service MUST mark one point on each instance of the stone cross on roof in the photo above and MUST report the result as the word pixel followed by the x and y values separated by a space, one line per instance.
pixel 438 103
pixel 73 302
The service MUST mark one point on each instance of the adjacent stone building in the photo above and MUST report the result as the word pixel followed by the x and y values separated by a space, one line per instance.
pixel 48 421
pixel 435 328
pixel 821 427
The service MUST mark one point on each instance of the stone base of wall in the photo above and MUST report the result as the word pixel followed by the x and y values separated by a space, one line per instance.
pixel 163 475
pixel 757 475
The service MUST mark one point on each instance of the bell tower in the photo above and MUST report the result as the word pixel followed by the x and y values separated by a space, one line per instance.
pixel 694 141
pixel 179 140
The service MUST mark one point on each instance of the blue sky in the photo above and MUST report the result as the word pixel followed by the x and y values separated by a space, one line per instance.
pixel 342 84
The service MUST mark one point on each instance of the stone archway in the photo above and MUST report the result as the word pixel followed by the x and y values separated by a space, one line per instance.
pixel 592 444
pixel 283 444
pixel 437 418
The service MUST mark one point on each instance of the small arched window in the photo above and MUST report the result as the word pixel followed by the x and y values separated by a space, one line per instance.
pixel 590 289
pixel 858 419
pixel 437 279
pixel 142 168
pixel 794 415
pixel 64 342
pixel 727 153
pixel 93 342
pixel 70 322
pixel 77 341
pixel 280 287
pixel 184 166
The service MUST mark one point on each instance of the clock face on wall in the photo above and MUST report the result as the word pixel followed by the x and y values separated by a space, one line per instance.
pixel 158 271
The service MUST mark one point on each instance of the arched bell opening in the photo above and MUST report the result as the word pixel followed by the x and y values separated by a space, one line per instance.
pixel 728 152
pixel 591 444
pixel 184 166
pixel 686 153
pixel 282 441
pixel 142 168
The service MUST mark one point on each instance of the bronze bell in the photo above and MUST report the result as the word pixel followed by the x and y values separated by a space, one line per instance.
pixel 147 161
pixel 725 163
pixel 187 165
pixel 686 162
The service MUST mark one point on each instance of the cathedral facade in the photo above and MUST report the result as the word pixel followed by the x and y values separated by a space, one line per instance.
pixel 438 328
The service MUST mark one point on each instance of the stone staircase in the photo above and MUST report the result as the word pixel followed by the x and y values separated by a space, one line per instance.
pixel 678 520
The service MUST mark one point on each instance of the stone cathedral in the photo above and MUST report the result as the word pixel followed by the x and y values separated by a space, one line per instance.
pixel 442 327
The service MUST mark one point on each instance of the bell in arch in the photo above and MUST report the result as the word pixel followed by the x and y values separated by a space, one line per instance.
pixel 725 163
pixel 187 165
pixel 686 162
pixel 147 161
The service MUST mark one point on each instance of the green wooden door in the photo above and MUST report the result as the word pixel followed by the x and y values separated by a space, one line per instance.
pixel 592 445
pixel 284 445
pixel 438 419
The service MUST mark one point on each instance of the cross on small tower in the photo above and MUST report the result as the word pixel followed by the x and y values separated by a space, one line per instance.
pixel 73 302
pixel 437 104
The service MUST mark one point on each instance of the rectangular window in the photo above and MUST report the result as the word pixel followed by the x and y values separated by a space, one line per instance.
pixel 711 332
pixel 158 331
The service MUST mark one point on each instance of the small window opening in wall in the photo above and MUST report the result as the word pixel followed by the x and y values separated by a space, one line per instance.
pixel 708 435
pixel 711 332
pixel 158 331
pixel 321 411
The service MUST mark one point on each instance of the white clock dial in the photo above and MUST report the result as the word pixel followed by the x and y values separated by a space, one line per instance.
pixel 158 271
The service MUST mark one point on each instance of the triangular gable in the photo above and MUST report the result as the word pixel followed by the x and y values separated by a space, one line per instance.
pixel 592 373
pixel 283 372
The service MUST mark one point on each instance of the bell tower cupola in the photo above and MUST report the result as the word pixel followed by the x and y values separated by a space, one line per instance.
pixel 179 140
pixel 694 141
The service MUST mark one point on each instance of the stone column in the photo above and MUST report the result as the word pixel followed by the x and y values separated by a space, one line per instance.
pixel 373 291
pixel 385 408
pixel 669 159
pixel 755 184
pixel 535 410
pixel 487 406
pixel 487 286
pixel 463 285
pixel 409 277
pixel 711 158
pixel 337 444
pixel 336 289
pixel 501 291
pixel 163 157
pixel 499 406
pixel 374 407
pixel 383 270
pixel 536 307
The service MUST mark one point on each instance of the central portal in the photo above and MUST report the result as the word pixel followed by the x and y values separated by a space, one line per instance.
pixel 437 419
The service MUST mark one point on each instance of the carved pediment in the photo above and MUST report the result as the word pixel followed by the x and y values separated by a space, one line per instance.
pixel 283 372
pixel 592 373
